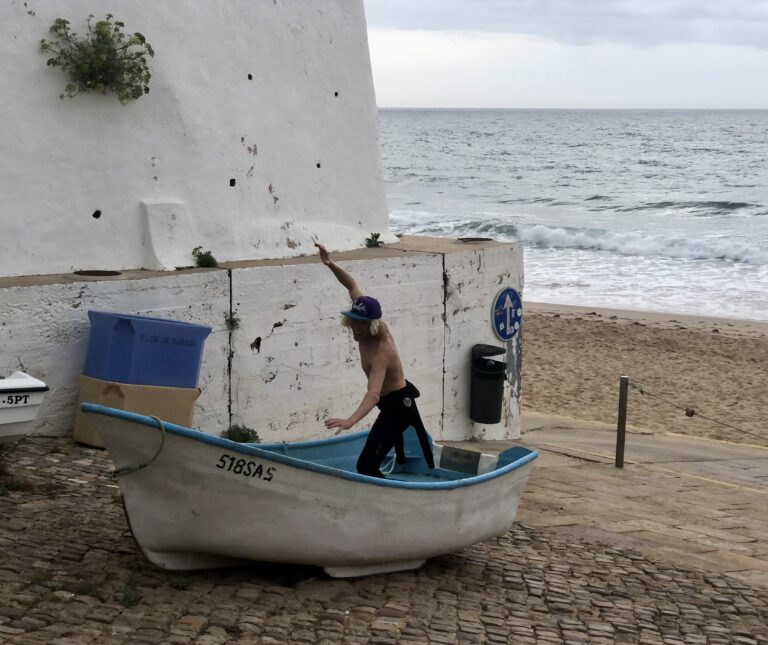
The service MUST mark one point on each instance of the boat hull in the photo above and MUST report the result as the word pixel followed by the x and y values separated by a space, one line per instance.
pixel 202 504
pixel 21 396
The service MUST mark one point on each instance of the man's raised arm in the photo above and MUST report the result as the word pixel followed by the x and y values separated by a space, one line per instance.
pixel 341 275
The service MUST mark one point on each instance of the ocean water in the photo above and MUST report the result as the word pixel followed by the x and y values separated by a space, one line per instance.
pixel 656 210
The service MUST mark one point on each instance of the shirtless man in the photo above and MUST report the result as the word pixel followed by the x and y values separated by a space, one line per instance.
pixel 387 387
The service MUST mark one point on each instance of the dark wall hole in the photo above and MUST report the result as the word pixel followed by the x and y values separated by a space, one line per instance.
pixel 96 214
pixel 335 93
pixel 250 77
pixel 96 272
pixel 232 182
pixel 318 165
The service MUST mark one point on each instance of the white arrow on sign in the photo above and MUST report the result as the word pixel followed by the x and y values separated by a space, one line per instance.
pixel 507 307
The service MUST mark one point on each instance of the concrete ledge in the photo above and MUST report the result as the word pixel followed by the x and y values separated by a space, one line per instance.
pixel 408 245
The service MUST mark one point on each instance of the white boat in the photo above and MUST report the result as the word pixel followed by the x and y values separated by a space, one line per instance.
pixel 20 399
pixel 196 501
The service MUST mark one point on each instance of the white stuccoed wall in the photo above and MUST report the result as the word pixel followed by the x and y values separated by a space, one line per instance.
pixel 299 139
pixel 159 168
pixel 473 279
pixel 288 364
pixel 294 364
pixel 44 330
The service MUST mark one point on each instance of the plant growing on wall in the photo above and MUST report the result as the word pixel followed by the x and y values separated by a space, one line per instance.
pixel 105 59
pixel 373 241
pixel 241 434
pixel 204 258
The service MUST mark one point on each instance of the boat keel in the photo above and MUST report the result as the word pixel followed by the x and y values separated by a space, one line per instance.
pixel 191 561
pixel 373 569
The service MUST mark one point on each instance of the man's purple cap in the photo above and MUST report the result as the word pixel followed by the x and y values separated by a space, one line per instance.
pixel 364 308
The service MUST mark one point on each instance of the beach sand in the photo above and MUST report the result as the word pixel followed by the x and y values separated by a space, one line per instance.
pixel 573 358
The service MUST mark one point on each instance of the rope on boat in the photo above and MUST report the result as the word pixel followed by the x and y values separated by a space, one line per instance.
pixel 388 467
pixel 690 412
pixel 129 470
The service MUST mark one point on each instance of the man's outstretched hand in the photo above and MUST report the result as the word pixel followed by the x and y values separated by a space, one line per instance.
pixel 324 255
pixel 340 424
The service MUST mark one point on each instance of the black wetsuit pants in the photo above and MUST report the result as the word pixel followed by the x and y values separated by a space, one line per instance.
pixel 398 411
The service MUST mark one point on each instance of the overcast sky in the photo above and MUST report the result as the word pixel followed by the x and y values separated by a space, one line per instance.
pixel 569 53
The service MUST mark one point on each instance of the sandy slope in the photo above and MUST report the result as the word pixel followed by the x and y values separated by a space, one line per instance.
pixel 573 357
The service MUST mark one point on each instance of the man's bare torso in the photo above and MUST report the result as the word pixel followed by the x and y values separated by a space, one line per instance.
pixel 384 347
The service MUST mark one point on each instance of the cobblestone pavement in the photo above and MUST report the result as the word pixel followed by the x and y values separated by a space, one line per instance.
pixel 697 503
pixel 71 573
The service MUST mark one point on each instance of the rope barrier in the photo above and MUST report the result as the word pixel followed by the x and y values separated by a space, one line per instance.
pixel 129 470
pixel 690 412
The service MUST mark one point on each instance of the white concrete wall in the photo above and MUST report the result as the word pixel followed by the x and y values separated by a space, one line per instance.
pixel 159 169
pixel 473 279
pixel 44 332
pixel 294 365
pixel 305 366
pixel 276 95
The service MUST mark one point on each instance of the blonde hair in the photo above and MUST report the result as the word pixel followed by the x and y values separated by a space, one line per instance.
pixel 377 327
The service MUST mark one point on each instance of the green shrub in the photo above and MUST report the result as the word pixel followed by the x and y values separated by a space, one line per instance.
pixel 373 241
pixel 105 59
pixel 241 434
pixel 204 258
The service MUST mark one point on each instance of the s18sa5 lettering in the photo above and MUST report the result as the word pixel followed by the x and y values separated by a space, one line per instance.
pixel 245 468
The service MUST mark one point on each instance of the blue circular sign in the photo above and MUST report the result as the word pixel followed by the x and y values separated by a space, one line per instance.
pixel 507 313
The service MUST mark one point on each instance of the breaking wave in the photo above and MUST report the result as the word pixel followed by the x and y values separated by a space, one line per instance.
pixel 646 244
pixel 634 243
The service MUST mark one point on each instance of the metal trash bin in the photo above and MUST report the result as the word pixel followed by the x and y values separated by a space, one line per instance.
pixel 487 384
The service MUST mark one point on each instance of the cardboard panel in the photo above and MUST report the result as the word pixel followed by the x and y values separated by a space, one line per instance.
pixel 174 404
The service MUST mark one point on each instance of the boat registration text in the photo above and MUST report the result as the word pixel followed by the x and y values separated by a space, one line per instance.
pixel 14 399
pixel 245 468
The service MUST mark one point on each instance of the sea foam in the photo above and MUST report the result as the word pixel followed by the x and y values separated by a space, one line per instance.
pixel 635 243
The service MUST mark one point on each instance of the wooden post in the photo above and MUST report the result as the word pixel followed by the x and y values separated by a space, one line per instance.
pixel 621 425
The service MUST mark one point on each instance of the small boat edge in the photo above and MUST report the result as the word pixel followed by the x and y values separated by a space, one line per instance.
pixel 261 451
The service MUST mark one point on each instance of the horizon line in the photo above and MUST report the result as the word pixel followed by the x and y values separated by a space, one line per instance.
pixel 585 109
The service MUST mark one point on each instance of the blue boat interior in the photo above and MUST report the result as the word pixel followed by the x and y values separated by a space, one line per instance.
pixel 343 455
pixel 453 463
pixel 338 455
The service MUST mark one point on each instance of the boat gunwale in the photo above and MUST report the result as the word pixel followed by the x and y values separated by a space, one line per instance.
pixel 20 389
pixel 256 450
pixel 21 384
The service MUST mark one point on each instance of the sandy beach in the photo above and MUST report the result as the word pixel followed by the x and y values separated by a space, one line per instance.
pixel 573 358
